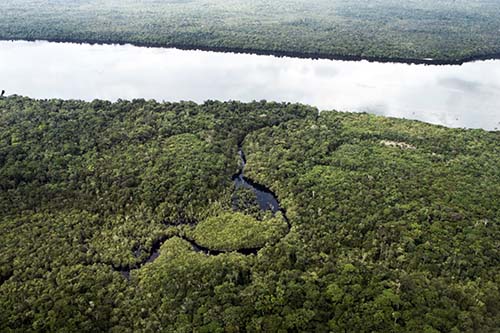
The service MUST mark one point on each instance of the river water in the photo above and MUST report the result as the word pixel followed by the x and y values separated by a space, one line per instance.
pixel 454 96
pixel 265 198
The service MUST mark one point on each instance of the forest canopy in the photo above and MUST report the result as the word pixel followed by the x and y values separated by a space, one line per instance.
pixel 393 224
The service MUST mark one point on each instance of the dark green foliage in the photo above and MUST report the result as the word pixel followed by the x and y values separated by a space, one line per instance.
pixel 394 223
pixel 389 29
pixel 184 290
pixel 245 200
pixel 92 186
pixel 67 298
pixel 396 219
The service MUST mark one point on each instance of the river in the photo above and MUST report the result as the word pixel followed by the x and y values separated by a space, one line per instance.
pixel 453 95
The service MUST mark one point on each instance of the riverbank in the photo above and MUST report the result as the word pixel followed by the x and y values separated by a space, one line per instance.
pixel 455 96
pixel 415 32
pixel 275 53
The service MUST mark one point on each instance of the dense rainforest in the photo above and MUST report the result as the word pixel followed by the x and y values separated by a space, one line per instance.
pixel 448 31
pixel 391 225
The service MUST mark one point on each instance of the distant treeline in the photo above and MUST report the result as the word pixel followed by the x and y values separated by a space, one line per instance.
pixel 426 31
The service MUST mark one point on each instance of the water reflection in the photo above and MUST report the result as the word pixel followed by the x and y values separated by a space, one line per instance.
pixel 456 96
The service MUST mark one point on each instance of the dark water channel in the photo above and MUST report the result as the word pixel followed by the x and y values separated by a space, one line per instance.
pixel 266 199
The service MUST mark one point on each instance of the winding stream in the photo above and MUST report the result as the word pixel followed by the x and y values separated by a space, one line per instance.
pixel 266 199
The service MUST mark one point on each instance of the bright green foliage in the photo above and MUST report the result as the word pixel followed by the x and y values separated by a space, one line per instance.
pixel 439 29
pixel 184 291
pixel 394 223
pixel 233 231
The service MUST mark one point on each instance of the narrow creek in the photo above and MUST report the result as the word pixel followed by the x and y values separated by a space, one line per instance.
pixel 266 199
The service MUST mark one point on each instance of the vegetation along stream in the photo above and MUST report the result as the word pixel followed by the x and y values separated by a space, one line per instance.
pixel 266 200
